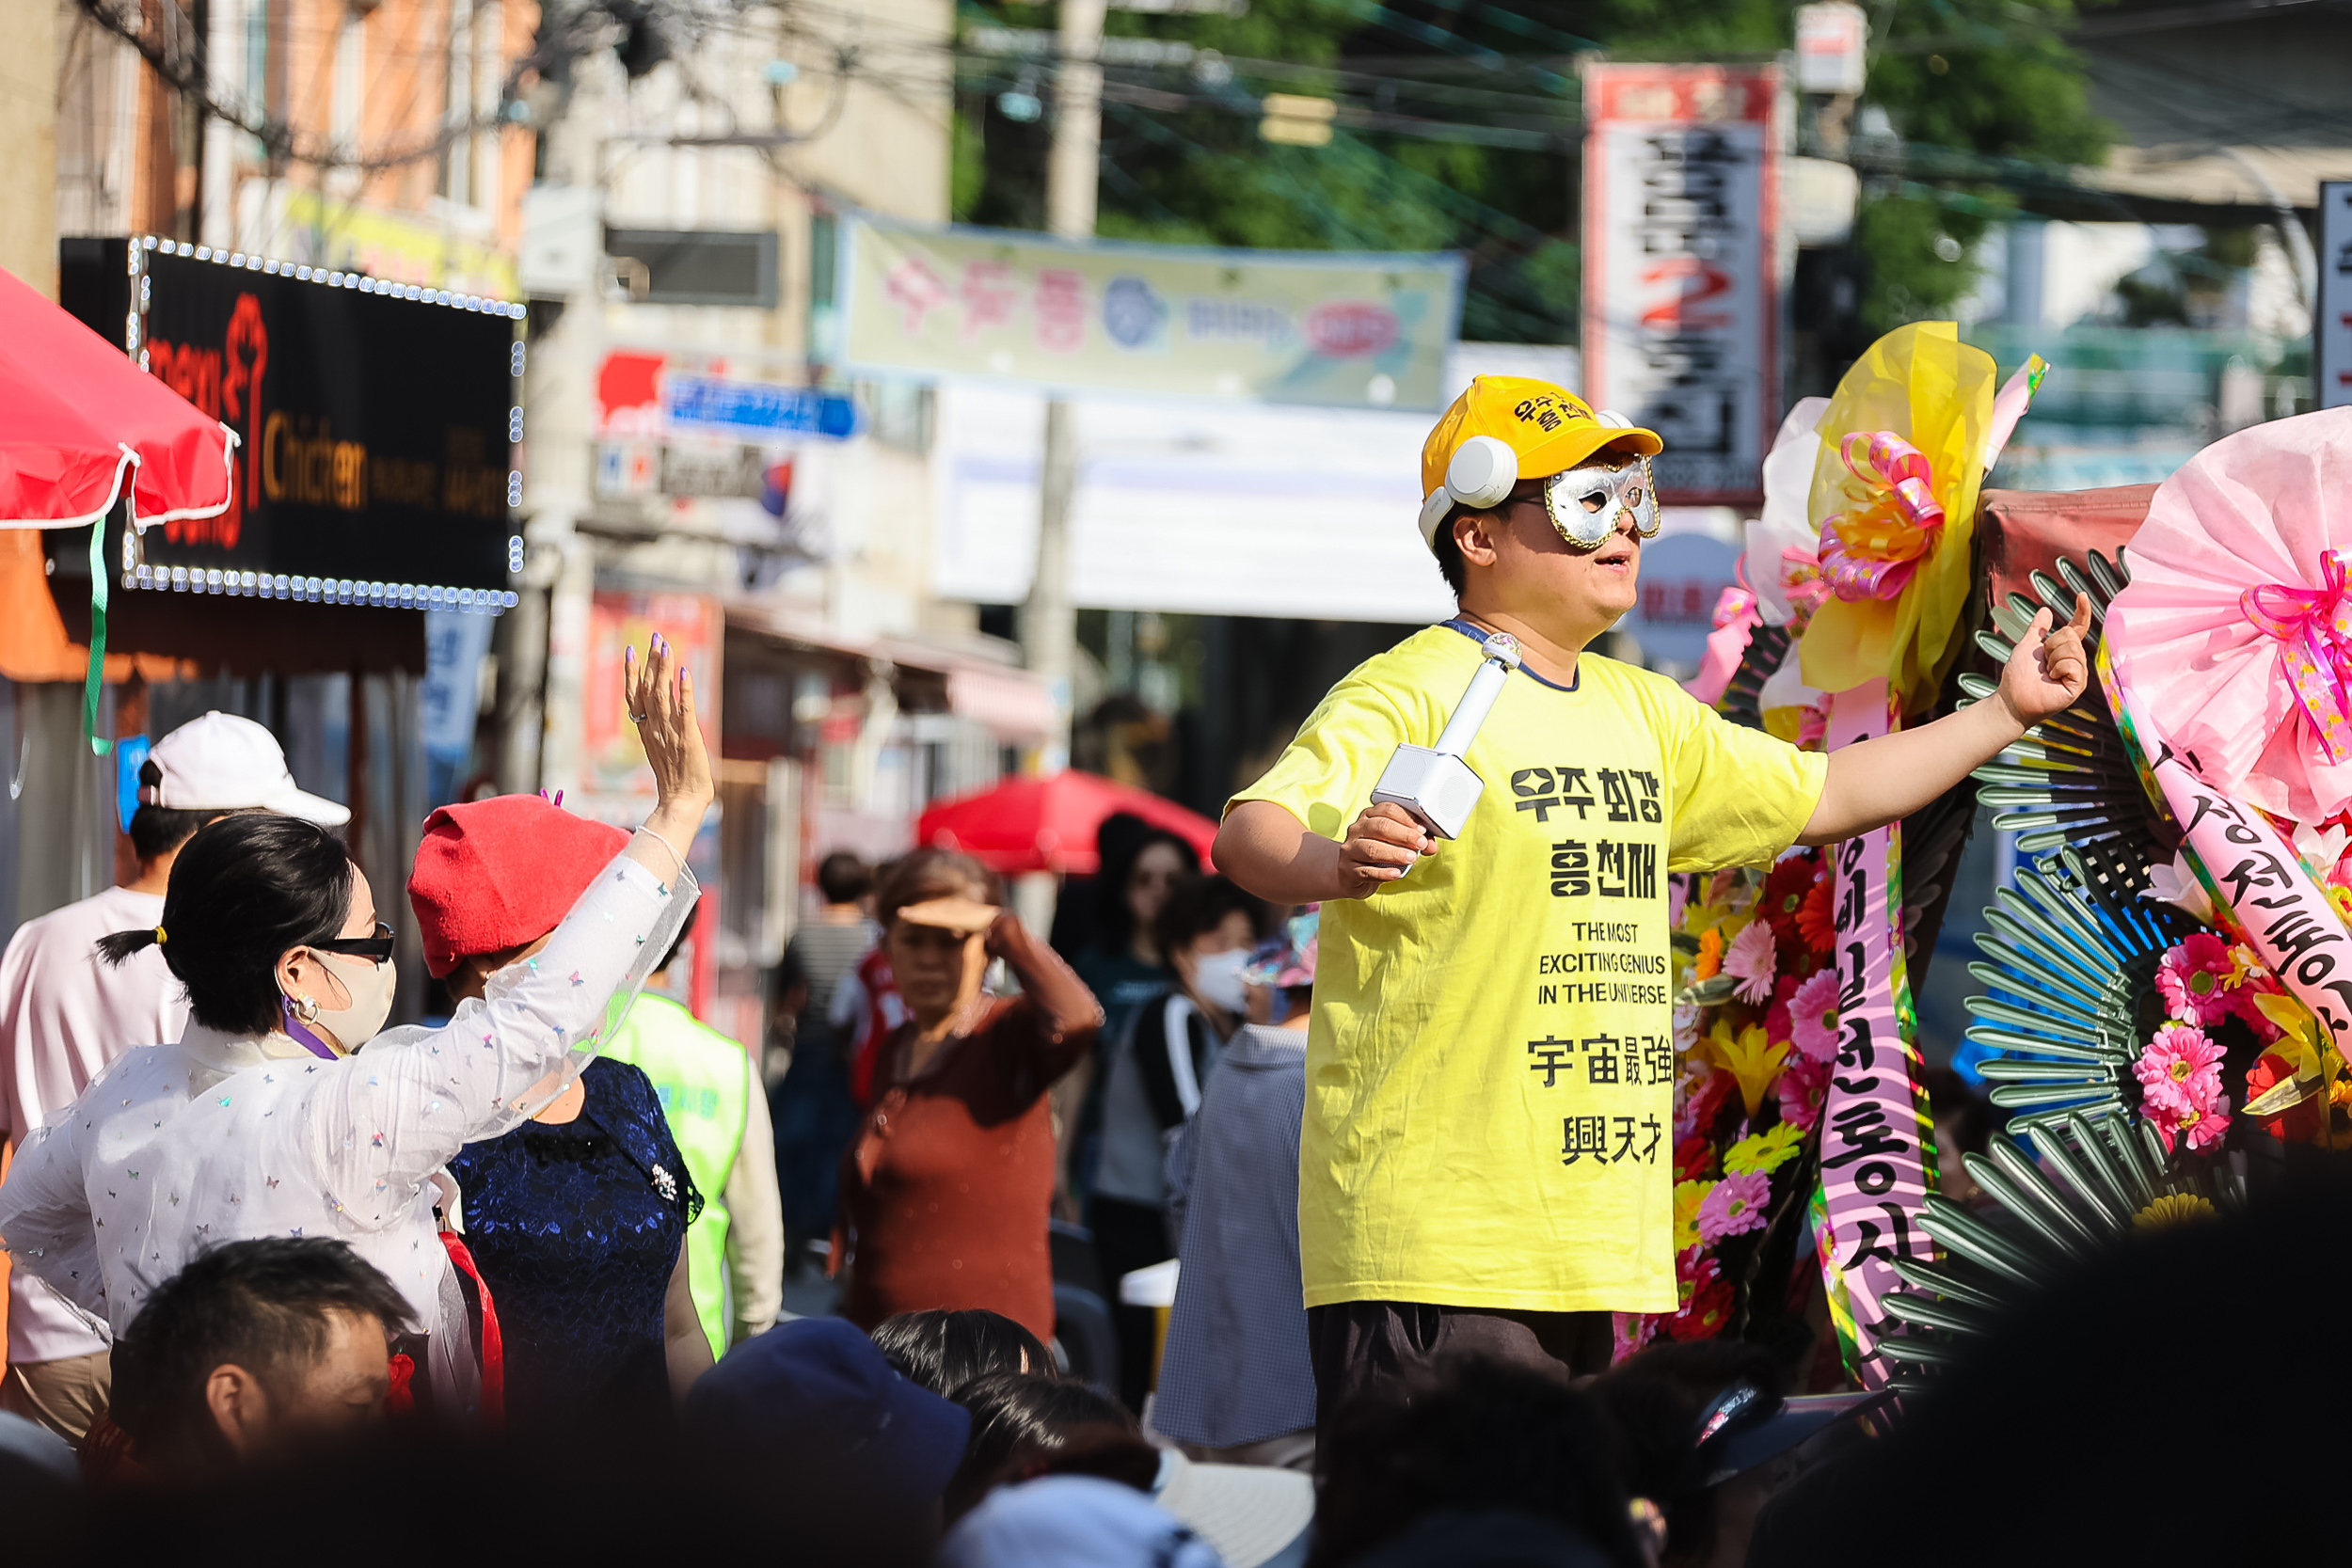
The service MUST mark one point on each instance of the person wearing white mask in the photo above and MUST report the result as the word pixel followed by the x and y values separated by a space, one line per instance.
pixel 1154 1084
pixel 64 1015
pixel 265 1119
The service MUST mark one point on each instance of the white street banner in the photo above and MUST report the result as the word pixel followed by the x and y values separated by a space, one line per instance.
pixel 1681 219
pixel 1361 330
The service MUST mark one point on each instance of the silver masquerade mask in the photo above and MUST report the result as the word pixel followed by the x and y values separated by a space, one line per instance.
pixel 1588 504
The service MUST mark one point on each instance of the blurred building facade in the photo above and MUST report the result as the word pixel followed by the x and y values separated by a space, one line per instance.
pixel 657 181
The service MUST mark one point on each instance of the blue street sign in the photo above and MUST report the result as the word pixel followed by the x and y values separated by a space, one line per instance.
pixel 757 408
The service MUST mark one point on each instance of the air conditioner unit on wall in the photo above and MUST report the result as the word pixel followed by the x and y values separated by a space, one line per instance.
pixel 695 266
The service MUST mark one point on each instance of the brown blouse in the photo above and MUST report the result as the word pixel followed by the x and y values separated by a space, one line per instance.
pixel 948 1187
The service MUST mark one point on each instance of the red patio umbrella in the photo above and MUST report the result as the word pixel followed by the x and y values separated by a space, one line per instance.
pixel 82 426
pixel 1033 824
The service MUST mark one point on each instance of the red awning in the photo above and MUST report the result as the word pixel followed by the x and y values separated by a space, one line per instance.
pixel 83 427
pixel 80 424
pixel 1033 824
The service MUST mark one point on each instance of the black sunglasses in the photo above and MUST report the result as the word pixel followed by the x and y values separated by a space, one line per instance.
pixel 378 946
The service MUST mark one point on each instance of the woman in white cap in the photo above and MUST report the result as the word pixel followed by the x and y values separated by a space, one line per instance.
pixel 259 1121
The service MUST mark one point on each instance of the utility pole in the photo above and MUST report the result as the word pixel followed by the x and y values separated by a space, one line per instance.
pixel 1049 622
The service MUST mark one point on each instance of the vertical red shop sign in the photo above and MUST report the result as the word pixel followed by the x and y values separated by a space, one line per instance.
pixel 1681 240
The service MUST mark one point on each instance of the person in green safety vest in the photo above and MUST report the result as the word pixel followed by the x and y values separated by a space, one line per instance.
pixel 712 1097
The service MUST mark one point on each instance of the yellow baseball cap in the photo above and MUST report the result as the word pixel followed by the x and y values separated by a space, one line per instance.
pixel 1547 428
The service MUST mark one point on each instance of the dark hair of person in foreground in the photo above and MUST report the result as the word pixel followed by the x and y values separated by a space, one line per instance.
pixel 942 1351
pixel 1654 1400
pixel 244 889
pixel 1471 1434
pixel 249 1321
pixel 1025 1426
pixel 2171 1401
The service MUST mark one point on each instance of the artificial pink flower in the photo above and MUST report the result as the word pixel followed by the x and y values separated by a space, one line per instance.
pixel 1803 1088
pixel 2203 1125
pixel 2181 1070
pixel 1813 1018
pixel 2211 1126
pixel 1735 1206
pixel 1677 899
pixel 1631 1331
pixel 1753 962
pixel 2191 976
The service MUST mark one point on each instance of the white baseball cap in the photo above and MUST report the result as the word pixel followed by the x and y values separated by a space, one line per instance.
pixel 224 763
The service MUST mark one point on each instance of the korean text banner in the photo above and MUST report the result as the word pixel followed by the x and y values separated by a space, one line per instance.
pixel 1341 329
pixel 1681 224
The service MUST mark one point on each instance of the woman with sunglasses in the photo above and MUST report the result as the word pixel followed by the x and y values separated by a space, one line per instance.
pixel 262 1121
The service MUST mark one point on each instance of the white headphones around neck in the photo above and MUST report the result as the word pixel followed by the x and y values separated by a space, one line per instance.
pixel 1481 473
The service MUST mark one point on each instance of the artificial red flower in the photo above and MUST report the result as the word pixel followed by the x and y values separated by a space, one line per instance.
pixel 2300 1123
pixel 1708 1310
pixel 1694 1157
pixel 1696 1113
pixel 1776 1016
pixel 1816 922
pixel 1785 889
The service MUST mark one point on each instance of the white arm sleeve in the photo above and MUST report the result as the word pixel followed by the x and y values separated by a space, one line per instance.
pixel 383 1120
pixel 45 1222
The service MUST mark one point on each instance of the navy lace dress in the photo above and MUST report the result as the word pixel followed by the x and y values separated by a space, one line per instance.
pixel 576 1229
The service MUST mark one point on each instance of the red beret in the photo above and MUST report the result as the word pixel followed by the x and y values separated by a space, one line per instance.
pixel 500 873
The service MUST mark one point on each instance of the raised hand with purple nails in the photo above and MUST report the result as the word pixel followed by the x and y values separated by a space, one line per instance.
pixel 661 693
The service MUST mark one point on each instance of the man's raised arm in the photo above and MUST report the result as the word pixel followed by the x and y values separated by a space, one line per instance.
pixel 1875 781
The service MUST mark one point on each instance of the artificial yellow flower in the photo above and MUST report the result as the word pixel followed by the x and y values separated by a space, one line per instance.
pixel 1755 1061
pixel 2299 1045
pixel 2244 966
pixel 2174 1209
pixel 1766 1151
pixel 1688 1196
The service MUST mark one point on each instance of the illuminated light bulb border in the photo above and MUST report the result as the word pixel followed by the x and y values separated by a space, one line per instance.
pixel 309 589
pixel 331 278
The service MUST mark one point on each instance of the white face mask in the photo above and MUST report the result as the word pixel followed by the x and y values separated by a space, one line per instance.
pixel 370 987
pixel 1217 979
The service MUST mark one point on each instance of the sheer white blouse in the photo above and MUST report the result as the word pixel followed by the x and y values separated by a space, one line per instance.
pixel 224 1137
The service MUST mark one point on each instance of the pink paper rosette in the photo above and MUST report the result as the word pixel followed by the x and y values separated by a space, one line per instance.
pixel 2235 639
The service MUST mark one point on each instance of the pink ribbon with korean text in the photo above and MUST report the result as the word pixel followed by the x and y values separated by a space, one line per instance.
pixel 1876 1136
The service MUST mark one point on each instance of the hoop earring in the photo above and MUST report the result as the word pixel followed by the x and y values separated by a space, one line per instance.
pixel 309 1008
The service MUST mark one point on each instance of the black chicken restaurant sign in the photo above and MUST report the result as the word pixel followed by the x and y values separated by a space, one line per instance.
pixel 376 424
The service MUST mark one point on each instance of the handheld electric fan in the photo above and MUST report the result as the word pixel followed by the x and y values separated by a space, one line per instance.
pixel 1433 782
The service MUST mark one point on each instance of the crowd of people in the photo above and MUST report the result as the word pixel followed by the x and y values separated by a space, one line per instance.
pixel 274 1265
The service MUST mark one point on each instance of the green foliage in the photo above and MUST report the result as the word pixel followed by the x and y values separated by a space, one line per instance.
pixel 967 172
pixel 1986 76
pixel 1910 279
pixel 1991 78
pixel 2009 88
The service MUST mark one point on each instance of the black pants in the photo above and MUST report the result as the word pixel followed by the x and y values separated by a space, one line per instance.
pixel 1355 1345
pixel 1129 1236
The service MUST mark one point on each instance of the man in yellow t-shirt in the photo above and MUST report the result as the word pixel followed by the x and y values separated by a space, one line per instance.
pixel 1486 1161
